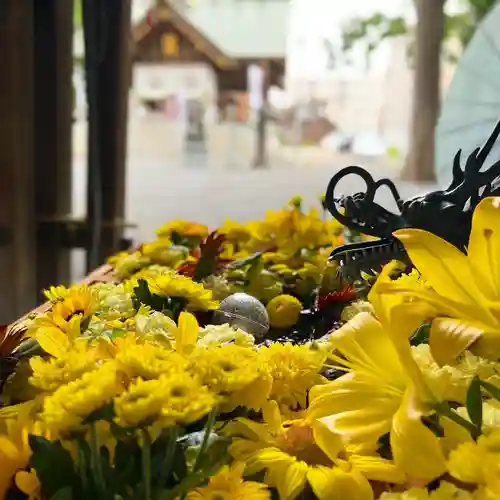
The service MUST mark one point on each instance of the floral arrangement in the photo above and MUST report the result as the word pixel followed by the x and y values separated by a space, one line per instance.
pixel 130 390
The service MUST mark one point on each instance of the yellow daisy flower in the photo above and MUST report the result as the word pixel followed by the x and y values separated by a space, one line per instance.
pixel 197 297
pixel 228 484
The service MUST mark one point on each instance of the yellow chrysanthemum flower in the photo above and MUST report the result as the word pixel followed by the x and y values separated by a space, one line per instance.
pixel 298 452
pixel 294 370
pixel 175 399
pixel 66 408
pixel 284 311
pixel 445 491
pixel 51 373
pixel 197 297
pixel 236 373
pixel 451 383
pixel 478 463
pixel 228 484
pixel 182 228
pixel 148 361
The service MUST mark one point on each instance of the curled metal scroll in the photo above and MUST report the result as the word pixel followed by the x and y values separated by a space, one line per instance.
pixel 446 213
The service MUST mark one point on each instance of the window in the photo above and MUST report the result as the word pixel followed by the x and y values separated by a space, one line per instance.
pixel 170 45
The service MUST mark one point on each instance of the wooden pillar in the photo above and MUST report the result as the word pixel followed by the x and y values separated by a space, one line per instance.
pixel 107 124
pixel 17 221
pixel 53 66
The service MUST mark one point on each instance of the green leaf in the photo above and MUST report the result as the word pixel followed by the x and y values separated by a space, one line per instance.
pixel 421 335
pixel 493 390
pixel 237 264
pixel 474 403
pixel 47 458
pixel 63 494
pixel 107 413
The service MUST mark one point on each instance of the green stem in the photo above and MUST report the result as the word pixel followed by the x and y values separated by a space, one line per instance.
pixel 96 456
pixel 208 430
pixel 82 465
pixel 444 410
pixel 167 463
pixel 146 463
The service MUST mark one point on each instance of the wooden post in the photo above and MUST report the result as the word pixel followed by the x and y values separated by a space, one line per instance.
pixel 17 221
pixel 53 64
pixel 108 126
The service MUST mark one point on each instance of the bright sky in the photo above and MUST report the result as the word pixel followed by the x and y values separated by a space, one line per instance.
pixel 313 21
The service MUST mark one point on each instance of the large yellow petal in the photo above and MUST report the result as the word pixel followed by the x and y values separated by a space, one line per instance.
pixel 272 416
pixel 487 345
pixel 449 337
pixel 53 341
pixel 378 469
pixel 484 247
pixel 441 264
pixel 355 406
pixel 186 334
pixel 367 346
pixel 329 442
pixel 291 479
pixel 416 450
pixel 336 484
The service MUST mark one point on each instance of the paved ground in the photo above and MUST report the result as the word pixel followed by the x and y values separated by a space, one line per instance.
pixel 164 183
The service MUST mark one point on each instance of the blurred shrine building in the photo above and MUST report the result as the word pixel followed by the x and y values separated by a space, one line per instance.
pixel 204 51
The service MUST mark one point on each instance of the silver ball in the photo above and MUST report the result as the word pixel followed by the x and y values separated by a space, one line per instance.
pixel 243 311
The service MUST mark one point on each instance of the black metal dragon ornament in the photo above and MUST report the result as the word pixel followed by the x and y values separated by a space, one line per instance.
pixel 446 213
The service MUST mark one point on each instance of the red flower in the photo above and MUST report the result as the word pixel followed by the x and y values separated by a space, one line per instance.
pixel 347 294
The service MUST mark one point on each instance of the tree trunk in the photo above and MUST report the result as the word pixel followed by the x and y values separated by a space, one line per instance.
pixel 426 92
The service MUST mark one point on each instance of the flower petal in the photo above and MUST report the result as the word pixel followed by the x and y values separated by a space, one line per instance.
pixel 292 480
pixel 378 469
pixel 356 407
pixel 186 334
pixel 335 484
pixel 329 442
pixel 366 344
pixel 484 246
pixel 441 264
pixel 449 337
pixel 53 341
pixel 415 448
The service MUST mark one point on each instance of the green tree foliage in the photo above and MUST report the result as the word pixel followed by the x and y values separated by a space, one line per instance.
pixel 374 29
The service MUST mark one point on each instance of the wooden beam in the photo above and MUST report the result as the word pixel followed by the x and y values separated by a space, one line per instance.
pixel 108 124
pixel 17 257
pixel 53 65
